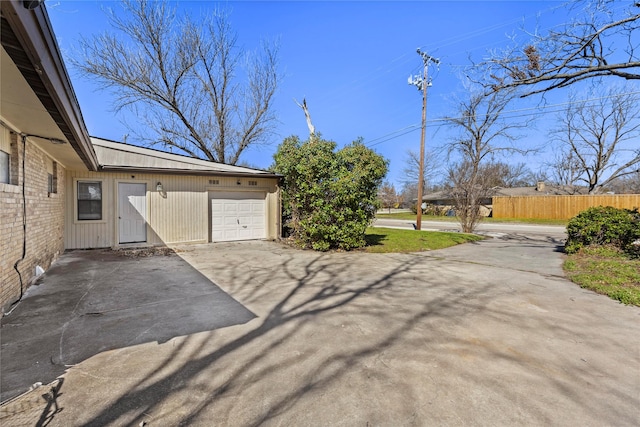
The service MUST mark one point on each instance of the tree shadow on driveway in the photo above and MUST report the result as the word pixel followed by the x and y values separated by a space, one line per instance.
pixel 317 292
pixel 389 339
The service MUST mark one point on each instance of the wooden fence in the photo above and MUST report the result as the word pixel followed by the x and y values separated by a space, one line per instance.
pixel 558 207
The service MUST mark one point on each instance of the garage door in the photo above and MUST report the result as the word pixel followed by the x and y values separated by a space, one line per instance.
pixel 237 216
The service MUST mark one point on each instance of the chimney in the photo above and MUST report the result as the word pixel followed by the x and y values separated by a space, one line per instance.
pixel 540 186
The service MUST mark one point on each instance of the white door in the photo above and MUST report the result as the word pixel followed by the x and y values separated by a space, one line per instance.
pixel 132 212
pixel 237 216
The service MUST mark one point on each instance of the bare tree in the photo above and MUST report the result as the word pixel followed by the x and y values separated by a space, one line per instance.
pixel 482 133
pixel 601 138
pixel 408 194
pixel 470 192
pixel 501 174
pixel 388 195
pixel 600 41
pixel 412 166
pixel 472 188
pixel 183 78
pixel 564 171
pixel 629 184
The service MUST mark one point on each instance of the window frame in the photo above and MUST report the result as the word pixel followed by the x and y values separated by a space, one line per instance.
pixel 9 147
pixel 76 199
pixel 52 178
pixel 8 166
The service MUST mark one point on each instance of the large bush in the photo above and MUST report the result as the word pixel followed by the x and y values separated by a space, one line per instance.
pixel 604 226
pixel 330 197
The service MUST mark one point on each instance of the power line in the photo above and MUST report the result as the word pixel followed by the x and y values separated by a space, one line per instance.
pixel 535 111
pixel 415 128
pixel 408 129
pixel 366 79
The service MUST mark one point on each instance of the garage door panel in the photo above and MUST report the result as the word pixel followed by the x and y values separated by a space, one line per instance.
pixel 237 216
pixel 230 235
pixel 230 221
pixel 245 234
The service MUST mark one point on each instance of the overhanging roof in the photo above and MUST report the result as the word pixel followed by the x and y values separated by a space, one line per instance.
pixel 118 157
pixel 28 38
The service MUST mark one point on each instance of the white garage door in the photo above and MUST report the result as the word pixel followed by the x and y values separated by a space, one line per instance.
pixel 237 216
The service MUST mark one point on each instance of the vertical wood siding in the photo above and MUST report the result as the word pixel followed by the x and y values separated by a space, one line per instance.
pixel 180 214
pixel 558 207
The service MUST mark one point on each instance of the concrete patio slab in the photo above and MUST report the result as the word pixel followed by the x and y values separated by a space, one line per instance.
pixel 482 334
pixel 94 301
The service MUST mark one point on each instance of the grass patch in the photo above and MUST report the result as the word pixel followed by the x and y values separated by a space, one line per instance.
pixel 385 240
pixel 412 217
pixel 606 270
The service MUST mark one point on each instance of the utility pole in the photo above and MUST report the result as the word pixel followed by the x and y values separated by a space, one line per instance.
pixel 422 83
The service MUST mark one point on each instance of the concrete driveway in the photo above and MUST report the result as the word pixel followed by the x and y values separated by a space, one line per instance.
pixel 94 301
pixel 479 334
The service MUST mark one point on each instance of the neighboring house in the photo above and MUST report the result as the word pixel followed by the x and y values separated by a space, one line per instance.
pixel 61 189
pixel 443 198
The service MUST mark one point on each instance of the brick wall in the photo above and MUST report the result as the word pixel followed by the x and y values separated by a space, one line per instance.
pixel 44 219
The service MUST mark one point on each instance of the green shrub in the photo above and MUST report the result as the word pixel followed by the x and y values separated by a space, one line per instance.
pixel 436 210
pixel 329 196
pixel 604 226
pixel 633 244
pixel 433 210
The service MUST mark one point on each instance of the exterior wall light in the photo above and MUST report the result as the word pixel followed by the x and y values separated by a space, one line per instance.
pixel 159 188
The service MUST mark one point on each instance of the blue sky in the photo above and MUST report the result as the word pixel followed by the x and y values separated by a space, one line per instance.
pixel 350 60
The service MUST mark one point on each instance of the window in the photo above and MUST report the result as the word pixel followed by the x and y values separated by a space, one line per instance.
pixel 5 167
pixel 5 156
pixel 253 183
pixel 89 200
pixel 52 177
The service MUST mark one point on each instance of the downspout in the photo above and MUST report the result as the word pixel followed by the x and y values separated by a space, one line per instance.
pixel 24 221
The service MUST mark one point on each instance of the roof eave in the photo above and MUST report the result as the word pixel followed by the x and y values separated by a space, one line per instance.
pixel 200 172
pixel 45 72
